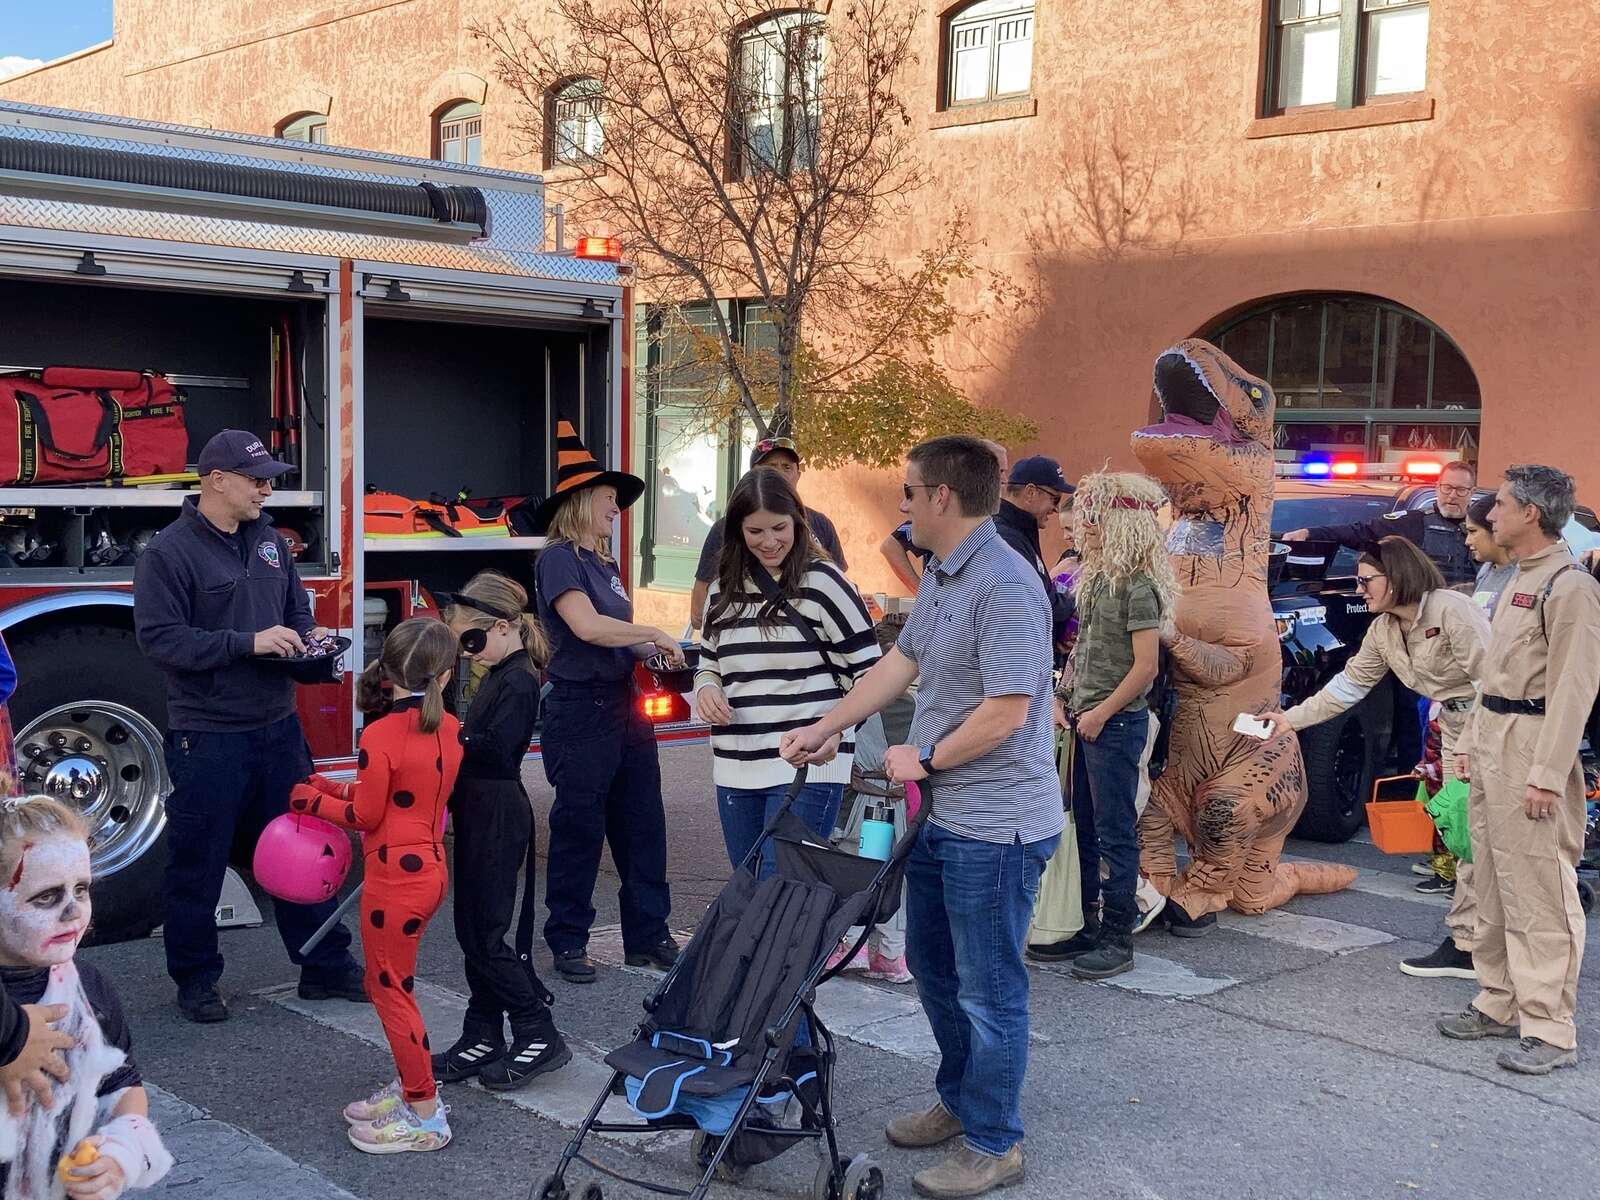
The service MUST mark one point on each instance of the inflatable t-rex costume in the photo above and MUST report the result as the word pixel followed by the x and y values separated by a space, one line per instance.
pixel 1232 798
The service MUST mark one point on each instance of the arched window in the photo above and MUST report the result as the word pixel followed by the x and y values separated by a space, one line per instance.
pixel 576 136
pixel 305 127
pixel 989 52
pixel 458 133
pixel 1357 374
pixel 777 80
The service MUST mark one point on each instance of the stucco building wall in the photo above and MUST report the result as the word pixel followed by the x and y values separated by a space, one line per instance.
pixel 1474 203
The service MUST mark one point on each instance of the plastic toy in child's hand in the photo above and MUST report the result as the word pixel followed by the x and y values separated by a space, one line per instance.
pixel 81 1157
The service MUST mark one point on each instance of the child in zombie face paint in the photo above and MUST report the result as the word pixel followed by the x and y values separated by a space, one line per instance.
pixel 101 1114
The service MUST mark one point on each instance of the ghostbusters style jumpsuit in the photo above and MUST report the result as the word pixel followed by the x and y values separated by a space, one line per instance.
pixel 397 801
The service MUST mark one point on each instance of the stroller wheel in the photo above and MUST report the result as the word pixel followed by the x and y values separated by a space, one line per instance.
pixel 552 1189
pixel 1586 895
pixel 863 1180
pixel 702 1147
pixel 822 1189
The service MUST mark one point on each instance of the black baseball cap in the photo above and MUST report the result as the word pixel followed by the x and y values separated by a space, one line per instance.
pixel 241 452
pixel 1041 472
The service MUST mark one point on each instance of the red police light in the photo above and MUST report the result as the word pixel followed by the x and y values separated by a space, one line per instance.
pixel 663 707
pixel 604 249
pixel 1424 468
pixel 1346 468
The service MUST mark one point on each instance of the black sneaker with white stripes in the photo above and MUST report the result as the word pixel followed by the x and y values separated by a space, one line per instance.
pixel 529 1057
pixel 471 1053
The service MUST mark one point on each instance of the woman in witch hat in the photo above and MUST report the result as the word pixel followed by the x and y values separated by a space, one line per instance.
pixel 599 750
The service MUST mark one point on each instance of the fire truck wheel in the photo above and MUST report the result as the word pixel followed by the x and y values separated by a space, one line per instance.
pixel 89 711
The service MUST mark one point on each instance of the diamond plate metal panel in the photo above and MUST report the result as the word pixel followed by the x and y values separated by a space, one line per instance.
pixel 512 246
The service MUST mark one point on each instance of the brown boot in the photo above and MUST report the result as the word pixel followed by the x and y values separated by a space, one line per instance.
pixel 919 1130
pixel 969 1173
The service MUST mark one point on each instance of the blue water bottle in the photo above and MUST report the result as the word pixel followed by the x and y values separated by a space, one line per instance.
pixel 877 833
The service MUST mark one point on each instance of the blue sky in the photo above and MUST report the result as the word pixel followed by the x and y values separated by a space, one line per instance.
pixel 39 30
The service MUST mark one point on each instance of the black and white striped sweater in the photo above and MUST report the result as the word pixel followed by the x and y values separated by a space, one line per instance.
pixel 775 681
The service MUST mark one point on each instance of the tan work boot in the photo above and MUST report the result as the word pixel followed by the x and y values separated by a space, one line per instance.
pixel 1535 1056
pixel 1469 1025
pixel 918 1131
pixel 969 1173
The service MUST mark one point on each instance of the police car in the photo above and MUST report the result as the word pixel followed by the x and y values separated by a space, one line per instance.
pixel 1321 618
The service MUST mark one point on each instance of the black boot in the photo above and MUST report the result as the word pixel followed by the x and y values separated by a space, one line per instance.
pixel 1114 954
pixel 534 1052
pixel 1085 940
pixel 474 1050
pixel 1178 921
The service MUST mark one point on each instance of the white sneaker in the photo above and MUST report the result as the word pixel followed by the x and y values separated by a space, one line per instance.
pixel 1424 868
pixel 403 1130
pixel 1149 903
pixel 375 1107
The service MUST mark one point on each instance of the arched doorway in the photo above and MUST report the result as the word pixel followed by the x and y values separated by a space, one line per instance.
pixel 1357 375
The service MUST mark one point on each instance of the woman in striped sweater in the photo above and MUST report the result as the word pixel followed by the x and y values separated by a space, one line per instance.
pixel 760 676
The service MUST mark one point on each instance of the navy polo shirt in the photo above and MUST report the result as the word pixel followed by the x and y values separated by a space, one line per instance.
pixel 565 567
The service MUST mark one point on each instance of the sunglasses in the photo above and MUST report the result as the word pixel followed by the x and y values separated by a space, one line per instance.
pixel 1365 581
pixel 905 488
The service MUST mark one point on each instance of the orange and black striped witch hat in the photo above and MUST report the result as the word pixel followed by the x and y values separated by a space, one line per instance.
pixel 576 470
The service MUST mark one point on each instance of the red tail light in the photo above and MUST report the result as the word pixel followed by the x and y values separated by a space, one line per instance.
pixel 664 707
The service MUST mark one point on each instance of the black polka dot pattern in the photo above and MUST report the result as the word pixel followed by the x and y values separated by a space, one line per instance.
pixel 408 983
pixel 349 814
pixel 425 1043
pixel 438 764
pixel 383 978
pixel 404 799
pixel 362 760
pixel 377 918
pixel 411 862
pixel 383 854
pixel 410 927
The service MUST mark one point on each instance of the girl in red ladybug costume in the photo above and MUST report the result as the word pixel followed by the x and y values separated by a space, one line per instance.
pixel 408 764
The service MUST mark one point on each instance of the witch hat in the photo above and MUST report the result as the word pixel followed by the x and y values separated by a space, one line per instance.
pixel 576 470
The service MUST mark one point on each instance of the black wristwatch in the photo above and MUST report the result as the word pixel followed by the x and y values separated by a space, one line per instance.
pixel 925 760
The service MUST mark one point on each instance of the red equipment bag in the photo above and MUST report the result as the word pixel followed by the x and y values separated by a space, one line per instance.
pixel 81 425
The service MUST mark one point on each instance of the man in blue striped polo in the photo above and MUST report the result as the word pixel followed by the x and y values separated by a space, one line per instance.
pixel 979 637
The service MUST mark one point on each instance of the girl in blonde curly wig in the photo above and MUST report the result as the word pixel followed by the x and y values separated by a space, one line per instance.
pixel 1125 591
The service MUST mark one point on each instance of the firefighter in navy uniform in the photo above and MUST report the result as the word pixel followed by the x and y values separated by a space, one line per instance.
pixel 215 593
pixel 1527 809
pixel 1440 530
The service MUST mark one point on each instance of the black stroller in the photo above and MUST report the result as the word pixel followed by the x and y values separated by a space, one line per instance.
pixel 721 1050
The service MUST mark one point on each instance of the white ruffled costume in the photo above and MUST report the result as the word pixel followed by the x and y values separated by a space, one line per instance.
pixel 32 1144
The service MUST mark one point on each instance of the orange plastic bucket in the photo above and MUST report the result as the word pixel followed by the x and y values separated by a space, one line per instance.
pixel 1400 826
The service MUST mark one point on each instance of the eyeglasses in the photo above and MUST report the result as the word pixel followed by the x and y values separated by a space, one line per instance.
pixel 1450 489
pixel 1055 497
pixel 905 488
pixel 1364 582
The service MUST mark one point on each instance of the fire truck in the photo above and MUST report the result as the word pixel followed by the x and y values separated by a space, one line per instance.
pixel 389 325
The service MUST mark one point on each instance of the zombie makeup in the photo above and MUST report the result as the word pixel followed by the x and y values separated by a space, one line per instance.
pixel 45 907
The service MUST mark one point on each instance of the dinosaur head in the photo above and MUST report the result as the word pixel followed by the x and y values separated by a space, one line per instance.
pixel 1213 445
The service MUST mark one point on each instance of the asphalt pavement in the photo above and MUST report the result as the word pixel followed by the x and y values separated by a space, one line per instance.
pixel 1281 1056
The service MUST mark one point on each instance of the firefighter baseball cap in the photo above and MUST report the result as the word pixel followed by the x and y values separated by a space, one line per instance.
pixel 767 447
pixel 1042 472
pixel 241 452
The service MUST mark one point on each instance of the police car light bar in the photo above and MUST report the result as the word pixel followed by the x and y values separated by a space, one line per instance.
pixel 1321 467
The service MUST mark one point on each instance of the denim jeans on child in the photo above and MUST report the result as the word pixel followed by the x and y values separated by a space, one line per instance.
pixel 1105 786
pixel 968 904
pixel 746 811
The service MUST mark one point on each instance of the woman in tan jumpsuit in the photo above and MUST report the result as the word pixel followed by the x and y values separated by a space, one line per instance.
pixel 1433 640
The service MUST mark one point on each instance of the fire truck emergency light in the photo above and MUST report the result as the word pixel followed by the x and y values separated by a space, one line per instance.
pixel 605 249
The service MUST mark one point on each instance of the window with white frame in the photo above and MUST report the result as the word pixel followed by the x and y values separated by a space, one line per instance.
pixel 307 127
pixel 458 134
pixel 990 52
pixel 777 82
pixel 577 138
pixel 1341 53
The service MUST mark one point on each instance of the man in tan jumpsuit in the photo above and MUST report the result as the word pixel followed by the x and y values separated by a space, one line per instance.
pixel 1527 815
pixel 1433 639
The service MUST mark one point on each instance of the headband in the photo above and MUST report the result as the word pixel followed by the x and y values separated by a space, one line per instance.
pixel 1130 502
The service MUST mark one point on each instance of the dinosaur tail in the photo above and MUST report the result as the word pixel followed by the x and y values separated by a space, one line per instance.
pixel 1318 878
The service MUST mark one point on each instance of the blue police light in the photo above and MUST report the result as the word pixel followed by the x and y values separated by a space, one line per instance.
pixel 1316 467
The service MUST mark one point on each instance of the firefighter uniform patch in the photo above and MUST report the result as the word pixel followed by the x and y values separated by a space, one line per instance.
pixel 268 552
pixel 1522 599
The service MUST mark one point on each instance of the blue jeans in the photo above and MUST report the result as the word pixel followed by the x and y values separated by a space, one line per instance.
pixel 1105 785
pixel 968 904
pixel 746 811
